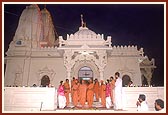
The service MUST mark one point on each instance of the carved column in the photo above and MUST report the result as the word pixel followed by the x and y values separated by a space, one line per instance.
pixel 101 71
pixel 68 62
pixel 69 74
pixel 101 62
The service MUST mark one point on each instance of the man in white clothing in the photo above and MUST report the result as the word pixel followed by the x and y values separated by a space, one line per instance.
pixel 141 103
pixel 118 92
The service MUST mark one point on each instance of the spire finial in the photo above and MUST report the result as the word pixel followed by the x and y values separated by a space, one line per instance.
pixel 44 6
pixel 82 23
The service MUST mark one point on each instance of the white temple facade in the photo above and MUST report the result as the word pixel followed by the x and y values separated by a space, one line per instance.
pixel 36 51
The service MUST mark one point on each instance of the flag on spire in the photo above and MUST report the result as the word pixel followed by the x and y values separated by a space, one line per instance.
pixel 82 22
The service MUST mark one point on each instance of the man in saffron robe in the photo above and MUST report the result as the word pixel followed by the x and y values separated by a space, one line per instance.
pixel 75 88
pixel 96 89
pixel 82 93
pixel 72 83
pixel 112 85
pixel 103 94
pixel 67 91
pixel 90 93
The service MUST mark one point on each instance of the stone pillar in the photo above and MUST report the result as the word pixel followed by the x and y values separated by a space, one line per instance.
pixel 101 71
pixel 68 74
pixel 101 62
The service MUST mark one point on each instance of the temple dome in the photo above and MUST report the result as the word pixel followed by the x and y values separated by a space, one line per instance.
pixel 85 31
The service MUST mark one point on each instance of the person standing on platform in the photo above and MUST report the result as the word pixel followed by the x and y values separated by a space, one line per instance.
pixel 67 91
pixel 103 94
pixel 90 93
pixel 96 89
pixel 72 83
pixel 112 85
pixel 141 103
pixel 108 94
pixel 61 96
pixel 75 88
pixel 118 92
pixel 82 93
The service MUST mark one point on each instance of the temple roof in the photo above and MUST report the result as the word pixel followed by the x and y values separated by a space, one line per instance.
pixel 48 33
pixel 85 31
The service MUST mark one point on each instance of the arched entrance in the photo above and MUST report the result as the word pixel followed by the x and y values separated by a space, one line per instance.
pixel 45 81
pixel 85 73
pixel 125 80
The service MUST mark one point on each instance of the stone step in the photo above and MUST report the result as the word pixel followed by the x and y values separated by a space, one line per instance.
pixel 95 104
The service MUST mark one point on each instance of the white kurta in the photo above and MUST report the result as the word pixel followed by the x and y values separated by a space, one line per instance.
pixel 118 94
pixel 143 106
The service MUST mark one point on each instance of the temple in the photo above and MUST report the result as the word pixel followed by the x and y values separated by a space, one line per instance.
pixel 36 51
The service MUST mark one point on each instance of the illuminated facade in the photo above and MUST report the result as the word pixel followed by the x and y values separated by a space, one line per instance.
pixel 36 51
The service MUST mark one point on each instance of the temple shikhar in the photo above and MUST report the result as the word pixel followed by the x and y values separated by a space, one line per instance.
pixel 37 55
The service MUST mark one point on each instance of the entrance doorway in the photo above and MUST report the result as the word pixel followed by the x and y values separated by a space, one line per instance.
pixel 85 73
pixel 126 79
pixel 45 81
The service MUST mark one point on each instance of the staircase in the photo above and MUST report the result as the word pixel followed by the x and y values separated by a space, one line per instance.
pixel 95 105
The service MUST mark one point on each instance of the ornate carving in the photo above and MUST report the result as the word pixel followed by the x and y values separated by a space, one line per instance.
pixel 126 71
pixel 147 68
pixel 146 62
pixel 108 41
pixel 141 52
pixel 69 62
pixel 84 46
pixel 46 71
pixel 18 76
pixel 147 72
pixel 61 41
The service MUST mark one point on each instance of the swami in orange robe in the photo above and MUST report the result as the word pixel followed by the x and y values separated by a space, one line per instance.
pixel 72 83
pixel 96 89
pixel 103 94
pixel 112 84
pixel 90 93
pixel 67 91
pixel 82 93
pixel 75 93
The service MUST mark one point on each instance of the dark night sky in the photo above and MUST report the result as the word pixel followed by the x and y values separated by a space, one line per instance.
pixel 128 24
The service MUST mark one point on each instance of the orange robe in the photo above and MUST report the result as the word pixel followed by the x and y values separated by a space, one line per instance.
pixel 112 84
pixel 103 95
pixel 96 90
pixel 90 94
pixel 72 83
pixel 82 94
pixel 75 94
pixel 67 91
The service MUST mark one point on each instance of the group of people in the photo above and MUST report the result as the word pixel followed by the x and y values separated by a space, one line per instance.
pixel 107 92
pixel 143 106
pixel 110 93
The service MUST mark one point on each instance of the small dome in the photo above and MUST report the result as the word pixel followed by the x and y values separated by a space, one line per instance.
pixel 85 31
